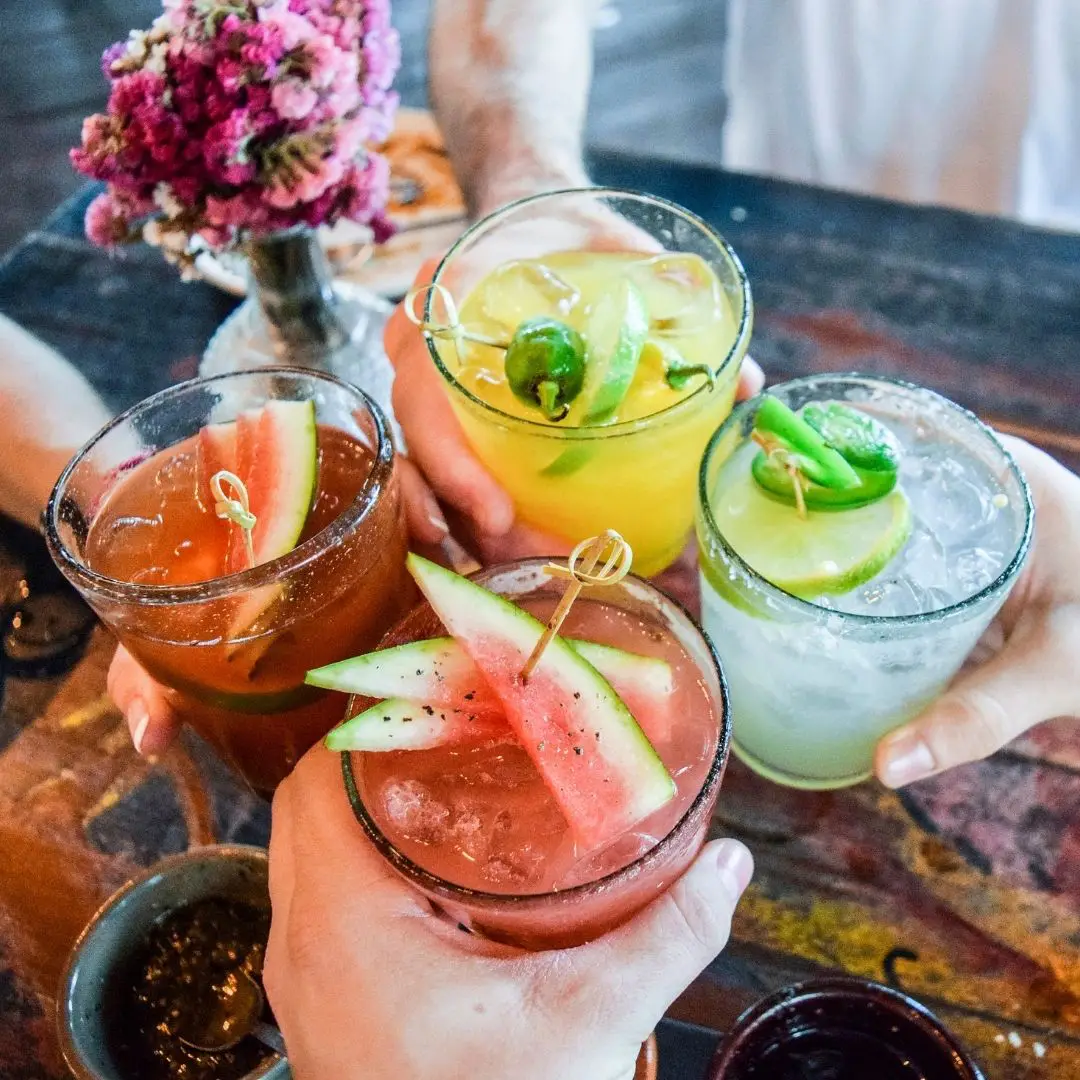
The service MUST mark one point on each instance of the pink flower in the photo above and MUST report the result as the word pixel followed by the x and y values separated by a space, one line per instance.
pixel 105 224
pixel 293 99
pixel 247 123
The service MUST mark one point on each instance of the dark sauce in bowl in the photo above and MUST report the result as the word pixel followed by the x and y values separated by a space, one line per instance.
pixel 167 979
pixel 834 1055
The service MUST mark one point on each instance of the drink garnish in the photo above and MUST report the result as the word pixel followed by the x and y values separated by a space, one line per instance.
pixel 615 333
pixel 590 552
pixel 678 371
pixel 821 554
pixel 829 457
pixel 436 680
pixel 586 746
pixel 545 365
pixel 235 508
pixel 452 329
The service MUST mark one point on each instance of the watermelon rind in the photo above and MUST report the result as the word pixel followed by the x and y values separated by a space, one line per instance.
pixel 439 670
pixel 593 756
pixel 407 725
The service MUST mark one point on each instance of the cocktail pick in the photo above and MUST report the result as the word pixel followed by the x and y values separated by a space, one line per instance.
pixel 234 508
pixel 617 556
pixel 452 329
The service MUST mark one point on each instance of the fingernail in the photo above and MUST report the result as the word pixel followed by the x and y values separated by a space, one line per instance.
pixel 434 515
pixel 438 523
pixel 138 719
pixel 907 759
pixel 734 863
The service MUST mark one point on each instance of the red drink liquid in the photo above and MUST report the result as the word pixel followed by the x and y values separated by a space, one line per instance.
pixel 142 542
pixel 477 828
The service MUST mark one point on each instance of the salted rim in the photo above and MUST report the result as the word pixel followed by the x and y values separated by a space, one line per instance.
pixel 625 427
pixel 263 574
pixel 448 889
pixel 1011 569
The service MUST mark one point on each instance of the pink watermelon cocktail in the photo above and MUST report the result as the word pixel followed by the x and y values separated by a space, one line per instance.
pixel 476 827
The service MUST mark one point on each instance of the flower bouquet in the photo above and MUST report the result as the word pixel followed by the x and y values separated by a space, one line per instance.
pixel 236 119
pixel 249 124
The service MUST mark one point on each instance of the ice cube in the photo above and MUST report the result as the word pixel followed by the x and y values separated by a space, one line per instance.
pixel 681 292
pixel 948 493
pixel 974 569
pixel 524 290
pixel 467 828
pixel 523 866
pixel 411 807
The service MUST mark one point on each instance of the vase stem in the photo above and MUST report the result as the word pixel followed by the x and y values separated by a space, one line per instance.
pixel 293 286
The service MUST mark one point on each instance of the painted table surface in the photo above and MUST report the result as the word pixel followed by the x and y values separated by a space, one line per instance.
pixel 964 890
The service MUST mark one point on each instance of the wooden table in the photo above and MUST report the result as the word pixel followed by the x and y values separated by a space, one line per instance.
pixel 965 890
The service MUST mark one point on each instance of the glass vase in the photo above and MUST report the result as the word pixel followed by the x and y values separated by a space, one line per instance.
pixel 297 315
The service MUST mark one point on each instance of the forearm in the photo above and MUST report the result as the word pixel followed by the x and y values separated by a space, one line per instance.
pixel 510 87
pixel 47 411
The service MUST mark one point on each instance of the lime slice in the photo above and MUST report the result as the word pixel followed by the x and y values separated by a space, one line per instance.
pixel 615 333
pixel 822 553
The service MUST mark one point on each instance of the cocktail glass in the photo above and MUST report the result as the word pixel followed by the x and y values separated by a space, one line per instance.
pixel 814 687
pixel 566 916
pixel 636 476
pixel 241 685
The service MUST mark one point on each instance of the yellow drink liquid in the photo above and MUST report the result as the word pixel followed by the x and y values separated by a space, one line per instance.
pixel 636 472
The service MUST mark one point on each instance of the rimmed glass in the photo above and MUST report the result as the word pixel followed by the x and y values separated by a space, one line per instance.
pixel 581 913
pixel 630 469
pixel 243 687
pixel 813 689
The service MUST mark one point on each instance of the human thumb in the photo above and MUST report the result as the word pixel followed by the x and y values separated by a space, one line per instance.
pixel 642 967
pixel 1029 681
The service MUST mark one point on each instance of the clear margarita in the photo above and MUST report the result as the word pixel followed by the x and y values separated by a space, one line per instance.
pixel 839 623
pixel 658 307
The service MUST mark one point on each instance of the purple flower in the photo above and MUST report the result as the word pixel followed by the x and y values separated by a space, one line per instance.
pixel 244 124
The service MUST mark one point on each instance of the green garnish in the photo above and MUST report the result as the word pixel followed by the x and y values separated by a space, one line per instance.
pixel 798 462
pixel 678 371
pixel 545 366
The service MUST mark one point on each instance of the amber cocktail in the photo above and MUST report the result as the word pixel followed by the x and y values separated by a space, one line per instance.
pixel 134 526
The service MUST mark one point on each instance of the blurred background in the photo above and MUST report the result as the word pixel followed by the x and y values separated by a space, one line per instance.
pixel 657 85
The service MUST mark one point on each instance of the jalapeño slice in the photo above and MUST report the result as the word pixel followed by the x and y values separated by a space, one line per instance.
pixel 868 448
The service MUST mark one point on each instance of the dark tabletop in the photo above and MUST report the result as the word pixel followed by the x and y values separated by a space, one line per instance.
pixel 964 891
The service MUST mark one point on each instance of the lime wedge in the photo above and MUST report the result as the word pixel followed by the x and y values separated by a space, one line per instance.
pixel 822 553
pixel 615 333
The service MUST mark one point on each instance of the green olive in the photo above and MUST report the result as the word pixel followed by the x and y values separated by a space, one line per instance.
pixel 545 366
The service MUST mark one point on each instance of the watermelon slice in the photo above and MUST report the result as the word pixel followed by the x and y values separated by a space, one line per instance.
pixel 438 672
pixel 406 725
pixel 215 450
pixel 277 459
pixel 589 750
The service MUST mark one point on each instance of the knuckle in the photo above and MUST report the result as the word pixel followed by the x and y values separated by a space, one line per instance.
pixel 702 925
pixel 977 725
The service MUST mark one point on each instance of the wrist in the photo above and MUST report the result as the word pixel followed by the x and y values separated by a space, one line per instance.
pixel 509 184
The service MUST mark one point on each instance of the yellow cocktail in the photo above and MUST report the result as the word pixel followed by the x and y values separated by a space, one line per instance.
pixel 659 308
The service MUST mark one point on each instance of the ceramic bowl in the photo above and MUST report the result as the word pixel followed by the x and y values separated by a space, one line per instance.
pixel 228 871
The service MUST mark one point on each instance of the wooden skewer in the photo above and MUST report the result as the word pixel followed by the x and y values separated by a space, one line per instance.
pixel 590 551
pixel 234 508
